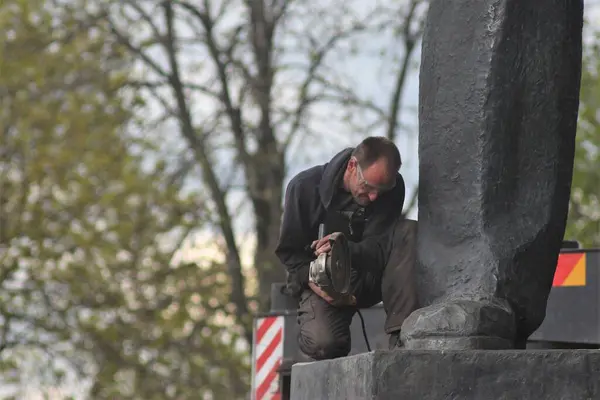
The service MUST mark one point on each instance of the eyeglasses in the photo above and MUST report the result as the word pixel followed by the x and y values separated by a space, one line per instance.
pixel 371 188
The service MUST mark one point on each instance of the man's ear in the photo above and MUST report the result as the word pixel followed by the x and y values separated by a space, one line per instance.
pixel 351 164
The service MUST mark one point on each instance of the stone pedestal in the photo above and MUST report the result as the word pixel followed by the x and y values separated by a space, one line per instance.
pixel 456 375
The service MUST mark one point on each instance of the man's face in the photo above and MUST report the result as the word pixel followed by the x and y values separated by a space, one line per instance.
pixel 367 184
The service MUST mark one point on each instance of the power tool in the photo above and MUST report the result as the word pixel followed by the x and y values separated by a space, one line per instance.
pixel 331 271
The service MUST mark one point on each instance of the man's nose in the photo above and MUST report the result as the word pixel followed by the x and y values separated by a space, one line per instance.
pixel 372 196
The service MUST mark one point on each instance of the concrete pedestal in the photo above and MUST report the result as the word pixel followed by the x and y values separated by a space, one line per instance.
pixel 455 375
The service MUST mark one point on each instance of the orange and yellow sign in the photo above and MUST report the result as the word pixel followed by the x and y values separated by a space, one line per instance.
pixel 570 270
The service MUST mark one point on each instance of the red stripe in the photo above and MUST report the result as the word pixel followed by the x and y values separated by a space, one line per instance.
pixel 566 263
pixel 263 328
pixel 277 396
pixel 262 389
pixel 268 351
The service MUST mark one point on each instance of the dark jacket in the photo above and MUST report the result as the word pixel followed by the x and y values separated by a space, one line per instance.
pixel 308 198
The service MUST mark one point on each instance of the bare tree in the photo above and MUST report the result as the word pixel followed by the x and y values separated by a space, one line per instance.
pixel 408 32
pixel 244 80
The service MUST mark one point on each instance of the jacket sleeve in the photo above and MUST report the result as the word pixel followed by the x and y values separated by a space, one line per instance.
pixel 295 236
pixel 373 251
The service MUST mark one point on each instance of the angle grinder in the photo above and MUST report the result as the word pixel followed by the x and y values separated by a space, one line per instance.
pixel 332 271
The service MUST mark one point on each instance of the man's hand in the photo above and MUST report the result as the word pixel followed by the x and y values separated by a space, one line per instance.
pixel 348 300
pixel 320 292
pixel 323 245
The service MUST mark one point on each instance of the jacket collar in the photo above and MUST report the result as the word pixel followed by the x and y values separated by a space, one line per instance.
pixel 333 174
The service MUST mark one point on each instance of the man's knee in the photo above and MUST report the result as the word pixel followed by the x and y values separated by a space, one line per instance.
pixel 323 345
pixel 324 330
pixel 399 290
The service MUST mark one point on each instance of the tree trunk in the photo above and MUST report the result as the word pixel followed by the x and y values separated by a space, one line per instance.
pixel 266 200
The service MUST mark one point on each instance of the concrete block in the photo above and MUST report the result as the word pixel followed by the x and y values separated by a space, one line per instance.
pixel 456 375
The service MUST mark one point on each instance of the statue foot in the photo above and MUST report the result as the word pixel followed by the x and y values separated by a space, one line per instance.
pixel 461 324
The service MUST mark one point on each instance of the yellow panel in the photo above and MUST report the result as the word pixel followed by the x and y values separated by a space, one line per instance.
pixel 577 276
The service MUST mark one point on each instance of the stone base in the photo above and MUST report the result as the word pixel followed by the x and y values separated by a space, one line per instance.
pixel 456 375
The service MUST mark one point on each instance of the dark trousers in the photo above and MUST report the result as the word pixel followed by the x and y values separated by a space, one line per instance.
pixel 324 329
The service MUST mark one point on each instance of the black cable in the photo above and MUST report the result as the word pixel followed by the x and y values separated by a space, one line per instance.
pixel 362 322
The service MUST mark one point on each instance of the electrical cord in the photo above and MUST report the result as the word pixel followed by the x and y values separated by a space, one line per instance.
pixel 362 322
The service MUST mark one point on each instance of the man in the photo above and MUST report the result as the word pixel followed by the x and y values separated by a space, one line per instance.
pixel 359 193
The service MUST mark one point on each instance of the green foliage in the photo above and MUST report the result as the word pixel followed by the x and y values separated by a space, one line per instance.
pixel 90 283
pixel 584 215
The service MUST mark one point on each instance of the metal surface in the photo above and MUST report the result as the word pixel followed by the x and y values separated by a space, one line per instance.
pixel 340 265
pixel 331 271
pixel 267 357
pixel 573 312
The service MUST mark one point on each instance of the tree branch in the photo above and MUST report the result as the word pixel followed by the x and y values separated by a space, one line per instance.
pixel 137 51
pixel 262 44
pixel 234 113
pixel 317 59
pixel 410 40
pixel 159 84
pixel 234 263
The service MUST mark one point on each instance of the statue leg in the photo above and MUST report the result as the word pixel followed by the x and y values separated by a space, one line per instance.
pixel 499 96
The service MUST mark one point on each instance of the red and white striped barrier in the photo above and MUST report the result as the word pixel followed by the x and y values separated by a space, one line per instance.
pixel 268 355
